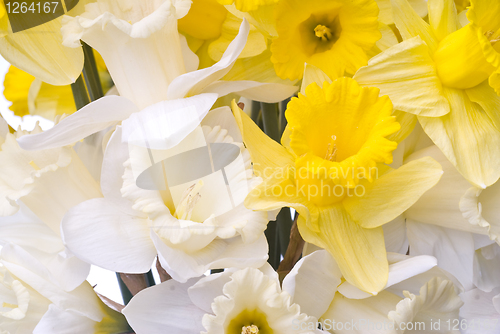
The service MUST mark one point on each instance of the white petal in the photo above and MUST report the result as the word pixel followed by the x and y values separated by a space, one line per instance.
pixel 312 282
pixel 313 74
pixel 479 312
pixel 218 254
pixel 224 118
pixel 487 267
pixel 99 233
pixel 401 268
pixel 92 118
pixel 112 166
pixel 4 129
pixel 193 83
pixel 191 60
pixel 395 235
pixel 164 308
pixel 453 249
pixel 203 292
pixel 438 300
pixel 58 321
pixel 167 123
pixel 348 316
pixel 440 205
pixel 253 90
pixel 27 230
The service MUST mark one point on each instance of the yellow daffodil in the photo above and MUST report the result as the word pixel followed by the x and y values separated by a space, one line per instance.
pixel 33 96
pixel 333 172
pixel 39 50
pixel 442 72
pixel 209 28
pixel 332 35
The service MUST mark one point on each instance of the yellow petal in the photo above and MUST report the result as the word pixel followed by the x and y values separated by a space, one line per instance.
pixel 443 17
pixel 407 121
pixel 393 193
pixel 407 74
pixel 267 155
pixel 490 102
pixel 279 190
pixel 16 87
pixel 258 68
pixel 359 252
pixel 494 81
pixel 39 51
pixel 411 25
pixel 49 101
pixel 385 8
pixel 484 14
pixel 468 138
pixel 204 19
pixel 313 74
pixel 247 5
pixel 256 42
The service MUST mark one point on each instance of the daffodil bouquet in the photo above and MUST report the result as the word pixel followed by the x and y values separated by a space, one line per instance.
pixel 251 166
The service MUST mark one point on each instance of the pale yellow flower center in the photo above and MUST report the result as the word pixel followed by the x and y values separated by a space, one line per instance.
pixel 250 329
pixel 34 165
pixel 8 305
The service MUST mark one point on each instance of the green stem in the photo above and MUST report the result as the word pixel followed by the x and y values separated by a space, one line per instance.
pixel 270 119
pixel 284 222
pixel 255 111
pixel 126 294
pixel 283 120
pixel 91 74
pixel 80 93
pixel 150 280
pixel 273 241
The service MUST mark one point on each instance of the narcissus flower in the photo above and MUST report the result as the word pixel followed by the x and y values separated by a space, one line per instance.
pixel 193 217
pixel 446 75
pixel 333 173
pixel 248 301
pixel 331 35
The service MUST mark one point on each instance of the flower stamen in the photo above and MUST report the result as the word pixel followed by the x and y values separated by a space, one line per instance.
pixel 331 150
pixel 188 201
pixel 323 32
pixel 252 329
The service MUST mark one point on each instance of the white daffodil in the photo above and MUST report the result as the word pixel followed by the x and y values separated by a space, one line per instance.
pixel 180 197
pixel 417 296
pixel 33 303
pixel 147 61
pixel 247 301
